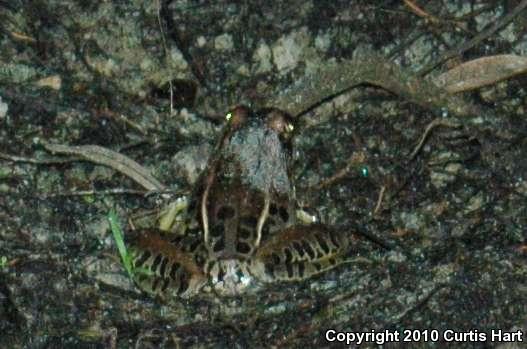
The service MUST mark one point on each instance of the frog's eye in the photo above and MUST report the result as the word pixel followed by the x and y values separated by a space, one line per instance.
pixel 237 116
pixel 280 121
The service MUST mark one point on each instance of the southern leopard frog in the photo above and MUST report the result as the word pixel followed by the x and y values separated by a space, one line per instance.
pixel 240 226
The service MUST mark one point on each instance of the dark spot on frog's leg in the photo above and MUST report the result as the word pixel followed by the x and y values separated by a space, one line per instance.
pixel 217 230
pixel 176 240
pixel 200 260
pixel 249 222
pixel 283 214
pixel 298 247
pixel 155 283
pixel 193 246
pixel 192 205
pixel 332 261
pixel 288 255
pixel 334 239
pixel 164 287
pixel 270 223
pixel 265 231
pixel 163 267
pixel 183 283
pixel 301 269
pixel 157 260
pixel 276 258
pixel 173 270
pixel 218 246
pixel 308 249
pixel 244 233
pixel 144 257
pixel 289 268
pixel 221 273
pixel 242 247
pixel 273 209
pixel 322 243
pixel 317 266
pixel 225 212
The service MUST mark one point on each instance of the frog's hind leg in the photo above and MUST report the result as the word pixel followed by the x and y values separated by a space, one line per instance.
pixel 301 251
pixel 162 267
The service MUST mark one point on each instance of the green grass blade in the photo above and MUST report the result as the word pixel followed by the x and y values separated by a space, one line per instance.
pixel 119 241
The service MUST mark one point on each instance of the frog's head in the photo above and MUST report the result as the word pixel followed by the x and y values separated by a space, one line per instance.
pixel 273 120
pixel 256 147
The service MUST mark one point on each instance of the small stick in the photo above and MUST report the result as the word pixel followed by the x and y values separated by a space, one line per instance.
pixel 165 50
pixel 115 191
pixel 353 161
pixel 112 159
pixel 379 200
pixel 435 123
pixel 14 158
pixel 498 25
pixel 419 11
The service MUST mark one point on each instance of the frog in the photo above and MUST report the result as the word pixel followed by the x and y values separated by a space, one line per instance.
pixel 240 229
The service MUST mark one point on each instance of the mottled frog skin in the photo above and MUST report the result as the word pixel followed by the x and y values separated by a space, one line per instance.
pixel 240 229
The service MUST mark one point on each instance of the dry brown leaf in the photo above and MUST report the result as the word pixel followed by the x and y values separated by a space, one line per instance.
pixel 53 81
pixel 22 37
pixel 481 72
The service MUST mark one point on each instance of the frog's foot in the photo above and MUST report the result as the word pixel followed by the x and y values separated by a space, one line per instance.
pixel 230 277
pixel 171 218
pixel 163 268
pixel 305 217
pixel 299 252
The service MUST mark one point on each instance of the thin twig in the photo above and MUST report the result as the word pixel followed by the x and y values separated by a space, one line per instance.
pixel 476 39
pixel 379 200
pixel 22 37
pixel 419 11
pixel 444 21
pixel 115 191
pixel 165 50
pixel 112 159
pixel 126 120
pixel 14 158
pixel 435 123
pixel 355 160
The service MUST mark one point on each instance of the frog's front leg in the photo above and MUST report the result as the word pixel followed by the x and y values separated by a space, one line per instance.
pixel 301 251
